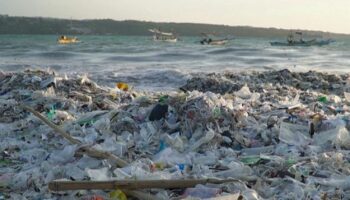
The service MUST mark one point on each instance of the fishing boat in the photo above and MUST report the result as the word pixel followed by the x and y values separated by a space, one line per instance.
pixel 163 36
pixel 292 41
pixel 210 41
pixel 207 40
pixel 67 40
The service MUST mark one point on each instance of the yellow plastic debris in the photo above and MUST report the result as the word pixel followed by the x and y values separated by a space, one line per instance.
pixel 123 86
pixel 117 195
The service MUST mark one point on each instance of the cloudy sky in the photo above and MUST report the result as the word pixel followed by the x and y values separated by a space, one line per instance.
pixel 326 15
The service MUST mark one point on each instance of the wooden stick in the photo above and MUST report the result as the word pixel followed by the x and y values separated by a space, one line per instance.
pixel 52 125
pixel 91 152
pixel 88 150
pixel 132 184
pixel 236 196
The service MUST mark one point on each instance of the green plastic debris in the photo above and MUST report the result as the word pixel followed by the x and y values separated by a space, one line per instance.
pixel 163 99
pixel 51 113
pixel 5 162
pixel 117 195
pixel 289 162
pixel 322 99
pixel 216 112
pixel 250 160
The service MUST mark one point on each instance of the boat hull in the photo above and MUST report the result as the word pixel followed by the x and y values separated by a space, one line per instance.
pixel 214 42
pixel 67 41
pixel 163 36
pixel 302 44
pixel 219 42
pixel 165 40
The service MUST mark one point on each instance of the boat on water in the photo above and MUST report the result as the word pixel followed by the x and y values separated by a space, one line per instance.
pixel 163 36
pixel 208 40
pixel 292 41
pixel 67 40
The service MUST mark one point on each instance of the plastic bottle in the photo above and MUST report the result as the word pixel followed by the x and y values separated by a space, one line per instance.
pixel 322 99
pixel 51 113
pixel 250 160
pixel 208 136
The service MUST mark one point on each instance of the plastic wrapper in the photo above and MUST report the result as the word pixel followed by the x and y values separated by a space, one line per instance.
pixel 294 134
pixel 205 139
pixel 202 192
pixel 244 92
pixel 64 156
pixel 337 137
pixel 171 157
pixel 98 174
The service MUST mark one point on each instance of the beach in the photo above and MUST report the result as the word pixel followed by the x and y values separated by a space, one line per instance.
pixel 269 134
pixel 174 100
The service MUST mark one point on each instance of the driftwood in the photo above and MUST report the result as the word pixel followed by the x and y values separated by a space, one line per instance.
pixel 132 184
pixel 87 150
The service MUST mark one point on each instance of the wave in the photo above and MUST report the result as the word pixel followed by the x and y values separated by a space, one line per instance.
pixel 155 79
pixel 145 63
pixel 232 50
pixel 179 56
pixel 57 54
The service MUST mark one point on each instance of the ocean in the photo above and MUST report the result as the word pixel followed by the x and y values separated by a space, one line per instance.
pixel 161 66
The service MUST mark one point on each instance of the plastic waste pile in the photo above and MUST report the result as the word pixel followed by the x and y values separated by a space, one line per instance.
pixel 280 134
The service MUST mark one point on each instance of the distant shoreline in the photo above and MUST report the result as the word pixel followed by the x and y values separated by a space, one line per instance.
pixel 41 25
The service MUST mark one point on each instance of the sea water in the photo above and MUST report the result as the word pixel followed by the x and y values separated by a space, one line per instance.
pixel 151 65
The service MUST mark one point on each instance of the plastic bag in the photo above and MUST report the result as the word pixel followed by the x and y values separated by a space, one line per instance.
pixel 347 96
pixel 202 192
pixel 288 189
pixel 64 155
pixel 294 134
pixel 171 157
pixel 337 182
pixel 210 134
pixel 244 92
pixel 339 137
pixel 98 174
pixel 237 170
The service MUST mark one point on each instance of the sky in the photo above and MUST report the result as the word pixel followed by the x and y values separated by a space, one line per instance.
pixel 325 15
